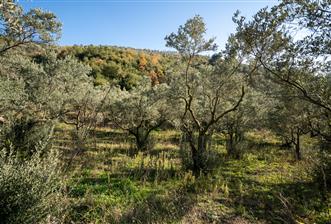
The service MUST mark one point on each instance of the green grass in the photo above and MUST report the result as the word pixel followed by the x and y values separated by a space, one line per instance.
pixel 108 185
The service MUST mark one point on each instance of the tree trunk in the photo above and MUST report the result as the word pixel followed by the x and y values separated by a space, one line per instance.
pixel 195 158
pixel 198 153
pixel 230 146
pixel 141 143
pixel 297 147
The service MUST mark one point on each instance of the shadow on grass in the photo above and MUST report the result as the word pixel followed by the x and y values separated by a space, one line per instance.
pixel 282 203
pixel 290 202
pixel 172 139
pixel 256 145
pixel 168 208
pixel 156 206
pixel 109 135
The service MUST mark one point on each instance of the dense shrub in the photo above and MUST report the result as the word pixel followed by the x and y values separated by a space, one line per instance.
pixel 30 190
pixel 322 172
pixel 26 136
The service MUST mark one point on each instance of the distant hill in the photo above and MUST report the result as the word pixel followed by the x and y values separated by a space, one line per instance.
pixel 122 66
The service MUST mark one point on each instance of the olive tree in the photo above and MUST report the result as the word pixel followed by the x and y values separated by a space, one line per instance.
pixel 24 86
pixel 290 43
pixel 204 93
pixel 290 120
pixel 140 110
pixel 18 28
pixel 42 91
pixel 250 115
pixel 84 111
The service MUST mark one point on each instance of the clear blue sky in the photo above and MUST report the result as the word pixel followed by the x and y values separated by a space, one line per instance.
pixel 141 23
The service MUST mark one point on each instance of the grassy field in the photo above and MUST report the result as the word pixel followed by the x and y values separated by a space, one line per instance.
pixel 109 185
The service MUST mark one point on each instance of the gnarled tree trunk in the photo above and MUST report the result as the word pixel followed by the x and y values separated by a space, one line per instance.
pixel 233 137
pixel 141 143
pixel 198 150
pixel 230 145
pixel 297 147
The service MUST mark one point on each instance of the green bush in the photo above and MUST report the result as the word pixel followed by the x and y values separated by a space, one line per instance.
pixel 30 190
pixel 26 136
pixel 322 172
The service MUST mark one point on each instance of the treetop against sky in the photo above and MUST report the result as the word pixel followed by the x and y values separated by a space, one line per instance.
pixel 141 23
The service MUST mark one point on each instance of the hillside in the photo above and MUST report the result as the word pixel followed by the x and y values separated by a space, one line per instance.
pixel 123 66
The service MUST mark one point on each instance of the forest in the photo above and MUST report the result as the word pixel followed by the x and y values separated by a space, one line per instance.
pixel 198 134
